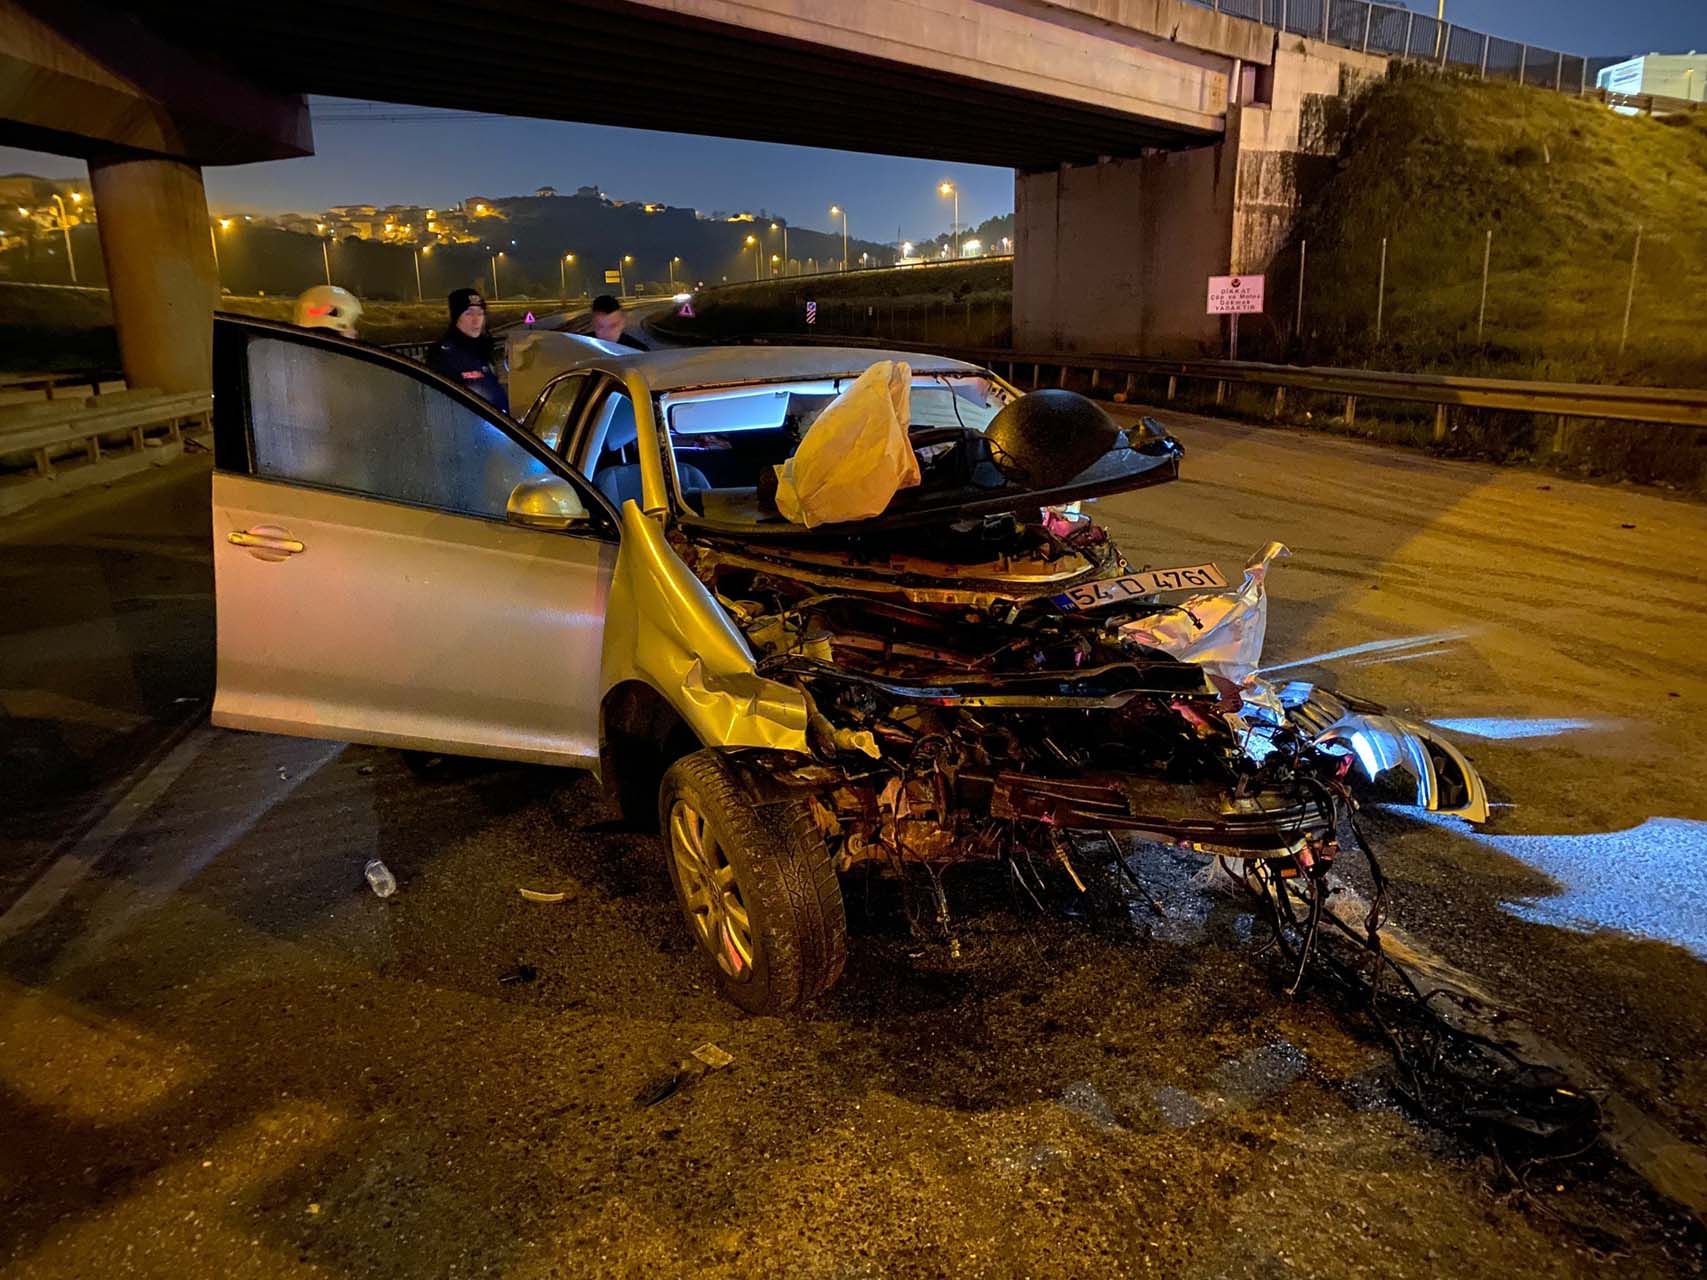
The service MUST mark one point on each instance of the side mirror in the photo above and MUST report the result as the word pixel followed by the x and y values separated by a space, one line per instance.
pixel 551 503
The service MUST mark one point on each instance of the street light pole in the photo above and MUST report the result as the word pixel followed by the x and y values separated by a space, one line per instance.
pixel 949 189
pixel 494 260
pixel 65 226
pixel 673 262
pixel 785 259
pixel 419 295
pixel 622 272
pixel 834 210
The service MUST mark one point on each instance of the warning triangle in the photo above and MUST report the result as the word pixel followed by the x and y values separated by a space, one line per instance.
pixel 686 313
pixel 528 319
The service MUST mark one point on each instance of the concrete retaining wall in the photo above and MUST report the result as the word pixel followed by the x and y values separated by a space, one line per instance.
pixel 1114 257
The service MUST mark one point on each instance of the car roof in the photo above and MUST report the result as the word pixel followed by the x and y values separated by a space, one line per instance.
pixel 683 368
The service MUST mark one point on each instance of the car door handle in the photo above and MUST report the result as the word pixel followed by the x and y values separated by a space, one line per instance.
pixel 266 542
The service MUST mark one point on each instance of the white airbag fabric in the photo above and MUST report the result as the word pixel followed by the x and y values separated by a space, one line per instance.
pixel 856 456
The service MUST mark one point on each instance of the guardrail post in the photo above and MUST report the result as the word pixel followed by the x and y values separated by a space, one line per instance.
pixel 1440 424
pixel 1220 390
pixel 1036 376
pixel 1561 437
pixel 1131 385
pixel 1061 382
pixel 1351 411
pixel 1095 375
pixel 1173 385
pixel 1279 401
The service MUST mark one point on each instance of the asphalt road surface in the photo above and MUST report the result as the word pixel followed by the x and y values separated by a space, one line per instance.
pixel 220 1054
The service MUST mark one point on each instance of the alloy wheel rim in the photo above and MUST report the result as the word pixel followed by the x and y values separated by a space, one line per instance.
pixel 711 893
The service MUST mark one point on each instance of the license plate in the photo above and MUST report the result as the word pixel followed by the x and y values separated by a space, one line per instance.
pixel 1093 595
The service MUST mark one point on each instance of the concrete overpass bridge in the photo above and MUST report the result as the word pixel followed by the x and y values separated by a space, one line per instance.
pixel 1153 141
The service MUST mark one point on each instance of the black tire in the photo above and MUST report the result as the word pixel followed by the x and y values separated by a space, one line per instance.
pixel 796 939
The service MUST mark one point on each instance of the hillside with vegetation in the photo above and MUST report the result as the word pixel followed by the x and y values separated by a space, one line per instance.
pixel 1434 165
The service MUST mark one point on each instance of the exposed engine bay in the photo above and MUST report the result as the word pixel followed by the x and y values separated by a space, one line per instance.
pixel 963 706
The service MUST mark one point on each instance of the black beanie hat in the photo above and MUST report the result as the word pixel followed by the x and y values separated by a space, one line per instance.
pixel 462 299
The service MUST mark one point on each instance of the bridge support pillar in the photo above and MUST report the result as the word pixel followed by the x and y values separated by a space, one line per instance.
pixel 1113 257
pixel 160 269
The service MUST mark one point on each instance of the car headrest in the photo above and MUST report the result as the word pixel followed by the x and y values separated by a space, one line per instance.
pixel 622 431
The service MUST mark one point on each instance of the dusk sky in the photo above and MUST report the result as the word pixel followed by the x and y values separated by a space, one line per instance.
pixel 427 161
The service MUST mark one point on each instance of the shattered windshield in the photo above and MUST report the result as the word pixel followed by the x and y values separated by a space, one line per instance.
pixel 727 445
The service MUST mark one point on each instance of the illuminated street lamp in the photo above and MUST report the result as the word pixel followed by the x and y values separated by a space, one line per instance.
pixel 949 189
pixel 972 248
pixel 836 210
pixel 673 262
pixel 784 229
pixel 419 296
pixel 224 225
pixel 562 274
pixel 65 227
pixel 495 257
pixel 622 273
pixel 774 261
pixel 906 248
pixel 753 243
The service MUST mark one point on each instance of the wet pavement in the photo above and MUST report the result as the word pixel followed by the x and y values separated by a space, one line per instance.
pixel 220 1053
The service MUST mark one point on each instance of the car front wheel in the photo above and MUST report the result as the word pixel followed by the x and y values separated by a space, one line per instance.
pixel 756 885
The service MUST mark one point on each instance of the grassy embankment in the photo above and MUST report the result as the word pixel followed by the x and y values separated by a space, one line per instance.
pixel 1434 165
pixel 46 330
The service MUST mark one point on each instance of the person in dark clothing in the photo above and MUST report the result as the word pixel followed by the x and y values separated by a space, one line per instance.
pixel 609 321
pixel 464 353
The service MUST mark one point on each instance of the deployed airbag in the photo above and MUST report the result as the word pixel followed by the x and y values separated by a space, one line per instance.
pixel 856 456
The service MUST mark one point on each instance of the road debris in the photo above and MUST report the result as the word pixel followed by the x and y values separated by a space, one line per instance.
pixel 520 974
pixel 714 1056
pixel 543 895
pixel 379 878
pixel 707 1058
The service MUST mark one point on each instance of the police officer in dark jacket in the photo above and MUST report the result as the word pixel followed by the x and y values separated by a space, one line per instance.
pixel 464 353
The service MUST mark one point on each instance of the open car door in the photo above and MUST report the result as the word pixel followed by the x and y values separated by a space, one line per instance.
pixel 395 561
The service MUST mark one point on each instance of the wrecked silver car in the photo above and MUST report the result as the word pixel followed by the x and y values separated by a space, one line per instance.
pixel 807 611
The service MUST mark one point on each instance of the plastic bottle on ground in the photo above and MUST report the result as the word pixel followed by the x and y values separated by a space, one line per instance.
pixel 379 878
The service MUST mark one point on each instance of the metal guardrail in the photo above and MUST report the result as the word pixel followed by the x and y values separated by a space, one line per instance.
pixel 1398 32
pixel 1658 406
pixel 48 431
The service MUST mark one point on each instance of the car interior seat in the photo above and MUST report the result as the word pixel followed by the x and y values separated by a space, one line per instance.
pixel 619 481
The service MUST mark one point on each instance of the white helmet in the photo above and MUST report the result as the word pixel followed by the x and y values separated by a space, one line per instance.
pixel 326 306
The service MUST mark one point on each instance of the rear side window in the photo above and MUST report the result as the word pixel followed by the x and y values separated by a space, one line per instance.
pixel 321 418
